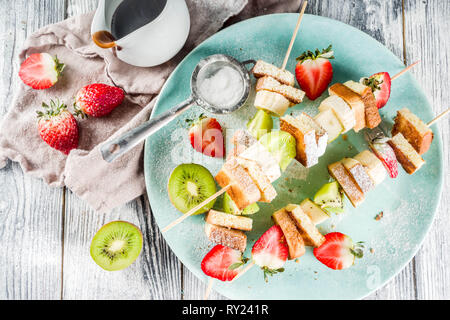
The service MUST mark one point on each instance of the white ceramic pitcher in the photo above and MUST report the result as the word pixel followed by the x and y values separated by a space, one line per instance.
pixel 150 45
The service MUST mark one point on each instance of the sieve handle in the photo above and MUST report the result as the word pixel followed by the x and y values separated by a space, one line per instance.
pixel 113 149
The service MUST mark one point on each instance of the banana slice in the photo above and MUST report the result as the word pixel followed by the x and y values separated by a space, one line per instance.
pixel 272 102
pixel 327 120
pixel 341 109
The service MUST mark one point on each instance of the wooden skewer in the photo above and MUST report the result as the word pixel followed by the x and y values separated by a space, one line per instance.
pixel 194 210
pixel 404 70
pixel 439 117
pixel 208 289
pixel 240 274
pixel 297 27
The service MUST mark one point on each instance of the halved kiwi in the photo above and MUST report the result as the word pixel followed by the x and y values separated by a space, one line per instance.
pixel 116 245
pixel 281 145
pixel 189 185
pixel 230 207
pixel 330 198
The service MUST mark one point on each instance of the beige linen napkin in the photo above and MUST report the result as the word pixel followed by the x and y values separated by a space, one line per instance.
pixel 104 186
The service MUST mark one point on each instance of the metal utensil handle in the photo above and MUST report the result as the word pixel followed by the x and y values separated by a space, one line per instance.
pixel 111 150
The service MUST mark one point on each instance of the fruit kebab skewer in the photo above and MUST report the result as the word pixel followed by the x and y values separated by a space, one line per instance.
pixel 229 186
pixel 297 222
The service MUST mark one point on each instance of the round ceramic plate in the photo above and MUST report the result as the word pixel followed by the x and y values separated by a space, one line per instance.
pixel 408 202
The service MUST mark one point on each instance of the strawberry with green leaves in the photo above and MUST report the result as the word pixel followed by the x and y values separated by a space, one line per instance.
pixel 380 83
pixel 58 127
pixel 41 71
pixel 223 263
pixel 270 252
pixel 314 72
pixel 338 251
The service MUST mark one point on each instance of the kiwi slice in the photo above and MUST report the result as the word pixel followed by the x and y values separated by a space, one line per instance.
pixel 330 198
pixel 230 207
pixel 189 185
pixel 261 124
pixel 116 245
pixel 281 145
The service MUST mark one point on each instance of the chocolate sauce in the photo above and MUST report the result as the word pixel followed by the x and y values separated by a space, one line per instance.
pixel 131 15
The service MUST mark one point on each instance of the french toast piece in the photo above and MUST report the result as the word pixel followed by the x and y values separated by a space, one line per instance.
pixel 350 187
pixel 234 239
pixel 408 157
pixel 315 213
pixel 307 152
pixel 321 133
pixel 269 165
pixel 354 100
pixel 270 84
pixel 311 235
pixel 262 69
pixel 243 190
pixel 341 109
pixel 374 167
pixel 293 237
pixel 268 192
pixel 373 118
pixel 413 129
pixel 359 174
pixel 227 220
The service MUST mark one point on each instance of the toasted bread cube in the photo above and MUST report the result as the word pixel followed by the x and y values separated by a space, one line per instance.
pixel 341 109
pixel 241 140
pixel 408 157
pixel 413 129
pixel 243 190
pixel 234 239
pixel 373 118
pixel 359 174
pixel 321 133
pixel 268 192
pixel 374 167
pixel 350 187
pixel 293 94
pixel 269 165
pixel 316 214
pixel 354 100
pixel 262 69
pixel 307 152
pixel 227 220
pixel 311 235
pixel 293 237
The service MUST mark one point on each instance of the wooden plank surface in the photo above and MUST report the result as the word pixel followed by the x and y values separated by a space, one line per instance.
pixel 30 219
pixel 29 210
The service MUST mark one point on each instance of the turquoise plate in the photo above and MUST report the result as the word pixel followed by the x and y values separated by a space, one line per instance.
pixel 408 202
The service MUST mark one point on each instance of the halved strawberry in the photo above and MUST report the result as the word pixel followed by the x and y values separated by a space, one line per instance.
pixel 386 154
pixel 222 263
pixel 270 252
pixel 314 72
pixel 40 71
pixel 338 251
pixel 380 83
pixel 206 137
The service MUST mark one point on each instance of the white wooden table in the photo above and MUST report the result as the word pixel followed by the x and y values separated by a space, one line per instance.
pixel 45 233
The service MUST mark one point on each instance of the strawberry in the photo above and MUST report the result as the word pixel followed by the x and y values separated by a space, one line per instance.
pixel 222 263
pixel 314 72
pixel 206 137
pixel 98 99
pixel 380 83
pixel 58 127
pixel 338 251
pixel 386 154
pixel 270 252
pixel 40 71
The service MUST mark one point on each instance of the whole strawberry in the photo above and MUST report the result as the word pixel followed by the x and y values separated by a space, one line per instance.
pixel 98 99
pixel 314 72
pixel 58 127
pixel 40 71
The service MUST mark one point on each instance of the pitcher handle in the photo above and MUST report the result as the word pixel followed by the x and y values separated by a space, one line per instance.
pixel 111 150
